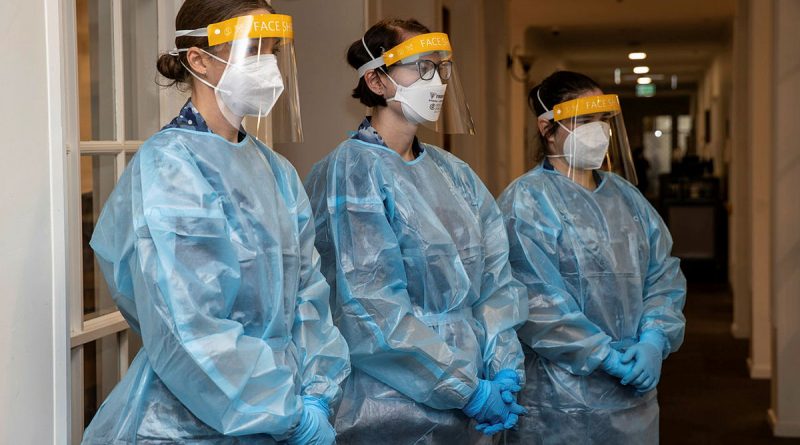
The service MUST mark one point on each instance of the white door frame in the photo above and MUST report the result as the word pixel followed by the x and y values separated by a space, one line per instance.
pixel 71 331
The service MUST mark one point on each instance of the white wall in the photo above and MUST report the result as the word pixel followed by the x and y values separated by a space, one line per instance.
pixel 495 127
pixel 545 63
pixel 32 280
pixel 323 32
pixel 785 412
pixel 713 95
pixel 760 148
pixel 739 181
pixel 467 34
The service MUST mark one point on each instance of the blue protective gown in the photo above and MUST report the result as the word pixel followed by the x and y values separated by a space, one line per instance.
pixel 418 257
pixel 208 248
pixel 599 273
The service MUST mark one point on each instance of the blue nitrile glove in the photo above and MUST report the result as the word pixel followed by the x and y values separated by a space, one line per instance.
pixel 646 357
pixel 314 427
pixel 613 365
pixel 510 381
pixel 509 384
pixel 490 410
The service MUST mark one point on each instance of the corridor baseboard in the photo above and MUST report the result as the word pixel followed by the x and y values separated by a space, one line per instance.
pixel 782 429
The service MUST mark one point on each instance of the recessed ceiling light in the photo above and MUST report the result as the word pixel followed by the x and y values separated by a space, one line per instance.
pixel 641 69
pixel 637 56
pixel 658 133
pixel 644 80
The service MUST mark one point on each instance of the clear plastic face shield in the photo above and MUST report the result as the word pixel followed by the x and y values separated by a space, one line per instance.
pixel 591 136
pixel 428 87
pixel 258 87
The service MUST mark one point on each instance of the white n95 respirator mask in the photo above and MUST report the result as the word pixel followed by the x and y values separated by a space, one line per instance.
pixel 585 147
pixel 250 87
pixel 422 100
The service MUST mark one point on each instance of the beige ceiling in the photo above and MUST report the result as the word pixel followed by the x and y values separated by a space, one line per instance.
pixel 617 12
pixel 681 37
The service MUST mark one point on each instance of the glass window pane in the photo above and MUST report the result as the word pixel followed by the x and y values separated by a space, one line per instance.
pixel 100 373
pixel 658 148
pixel 684 133
pixel 95 70
pixel 97 182
pixel 140 49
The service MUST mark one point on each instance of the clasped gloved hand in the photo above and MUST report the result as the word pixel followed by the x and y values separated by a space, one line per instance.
pixel 509 382
pixel 314 427
pixel 494 404
pixel 646 357
pixel 613 365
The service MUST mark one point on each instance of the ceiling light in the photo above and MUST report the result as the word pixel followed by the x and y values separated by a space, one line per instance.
pixel 641 69
pixel 644 81
pixel 658 133
pixel 637 56
pixel 617 76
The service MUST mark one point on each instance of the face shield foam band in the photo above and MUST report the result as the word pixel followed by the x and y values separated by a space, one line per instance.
pixel 605 103
pixel 244 27
pixel 423 43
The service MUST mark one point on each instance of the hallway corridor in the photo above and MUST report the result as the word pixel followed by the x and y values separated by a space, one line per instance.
pixel 706 395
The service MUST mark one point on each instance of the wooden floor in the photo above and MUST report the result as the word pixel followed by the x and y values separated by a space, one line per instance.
pixel 706 395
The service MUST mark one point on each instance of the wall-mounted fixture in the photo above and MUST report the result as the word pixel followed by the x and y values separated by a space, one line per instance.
pixel 523 61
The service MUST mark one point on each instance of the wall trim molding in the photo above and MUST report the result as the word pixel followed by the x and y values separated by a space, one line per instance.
pixel 759 371
pixel 782 429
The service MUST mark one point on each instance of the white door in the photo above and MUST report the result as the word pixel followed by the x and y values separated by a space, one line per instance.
pixel 110 49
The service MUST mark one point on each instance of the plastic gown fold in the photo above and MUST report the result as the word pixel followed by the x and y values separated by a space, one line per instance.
pixel 418 257
pixel 207 247
pixel 599 273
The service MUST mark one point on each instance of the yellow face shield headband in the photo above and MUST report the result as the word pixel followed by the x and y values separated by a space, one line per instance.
pixel 606 103
pixel 244 27
pixel 421 44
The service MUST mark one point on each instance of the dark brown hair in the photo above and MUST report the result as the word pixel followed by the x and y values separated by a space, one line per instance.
pixel 196 14
pixel 380 38
pixel 558 87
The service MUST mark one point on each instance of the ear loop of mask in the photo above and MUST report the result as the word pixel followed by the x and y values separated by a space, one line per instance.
pixel 572 149
pixel 176 53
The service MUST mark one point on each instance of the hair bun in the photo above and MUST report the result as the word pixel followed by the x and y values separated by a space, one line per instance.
pixel 170 67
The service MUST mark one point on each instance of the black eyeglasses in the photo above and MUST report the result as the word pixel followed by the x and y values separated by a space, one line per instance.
pixel 427 67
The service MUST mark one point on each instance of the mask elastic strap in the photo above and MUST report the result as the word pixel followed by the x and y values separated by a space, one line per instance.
pixel 197 77
pixel 367 48
pixel 549 116
pixel 214 87
pixel 549 113
pixel 397 87
pixel 375 63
